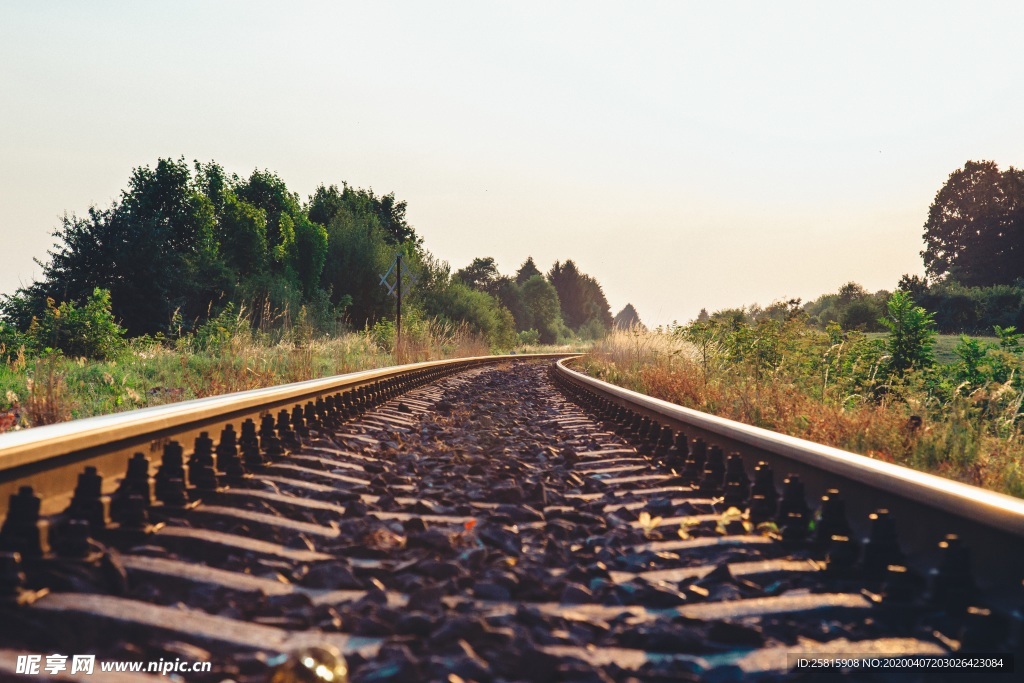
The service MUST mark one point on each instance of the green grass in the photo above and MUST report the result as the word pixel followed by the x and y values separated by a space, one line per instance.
pixel 944 345
pixel 55 388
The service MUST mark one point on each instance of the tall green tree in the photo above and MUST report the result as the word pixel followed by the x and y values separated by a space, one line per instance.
pixel 581 297
pixel 242 234
pixel 387 212
pixel 975 227
pixel 526 271
pixel 325 204
pixel 511 297
pixel 481 274
pixel 154 251
pixel 309 254
pixel 364 232
pixel 265 190
pixel 357 253
pixel 541 301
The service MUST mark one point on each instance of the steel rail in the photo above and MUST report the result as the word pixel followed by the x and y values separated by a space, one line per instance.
pixel 49 458
pixel 926 507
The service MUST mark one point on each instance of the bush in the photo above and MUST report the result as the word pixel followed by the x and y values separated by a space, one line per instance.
pixel 11 341
pixel 959 309
pixel 972 352
pixel 592 330
pixel 219 330
pixel 481 311
pixel 89 331
pixel 529 337
pixel 862 315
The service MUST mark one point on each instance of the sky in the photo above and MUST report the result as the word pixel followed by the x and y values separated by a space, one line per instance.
pixel 685 154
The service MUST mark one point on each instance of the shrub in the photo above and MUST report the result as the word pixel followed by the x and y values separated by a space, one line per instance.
pixel 89 331
pixel 971 353
pixel 592 330
pixel 219 330
pixel 529 337
pixel 457 302
pixel 11 341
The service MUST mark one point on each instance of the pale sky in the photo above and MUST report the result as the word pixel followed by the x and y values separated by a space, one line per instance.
pixel 687 155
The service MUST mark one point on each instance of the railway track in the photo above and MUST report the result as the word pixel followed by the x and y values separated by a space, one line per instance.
pixel 486 520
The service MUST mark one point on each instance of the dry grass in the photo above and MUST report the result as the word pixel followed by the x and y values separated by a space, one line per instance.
pixel 972 438
pixel 56 388
pixel 47 393
pixel 439 339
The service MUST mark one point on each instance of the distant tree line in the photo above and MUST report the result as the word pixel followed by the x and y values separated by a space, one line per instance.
pixel 973 258
pixel 186 242
pixel 956 308
pixel 563 304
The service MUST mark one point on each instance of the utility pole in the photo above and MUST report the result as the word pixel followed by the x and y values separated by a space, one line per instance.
pixel 398 313
pixel 395 290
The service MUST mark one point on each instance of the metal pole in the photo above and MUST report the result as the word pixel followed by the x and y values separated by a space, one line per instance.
pixel 398 316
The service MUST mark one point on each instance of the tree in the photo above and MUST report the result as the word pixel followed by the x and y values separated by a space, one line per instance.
pixel 782 310
pixel 541 300
pixel 975 227
pixel 480 311
pixel 526 271
pixel 391 214
pixel 627 318
pixel 242 234
pixel 581 297
pixel 911 334
pixel 861 314
pixel 325 204
pixel 357 254
pixel 309 254
pixel 482 274
pixel 186 242
pixel 850 292
pixel 915 286
pixel 155 251
pixel 511 297
pixel 386 213
pixel 265 190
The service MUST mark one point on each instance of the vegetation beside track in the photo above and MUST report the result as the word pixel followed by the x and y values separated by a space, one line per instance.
pixel 959 419
pixel 222 357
